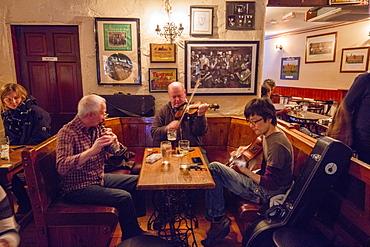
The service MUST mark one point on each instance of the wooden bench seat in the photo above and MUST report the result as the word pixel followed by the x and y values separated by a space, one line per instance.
pixel 349 212
pixel 60 223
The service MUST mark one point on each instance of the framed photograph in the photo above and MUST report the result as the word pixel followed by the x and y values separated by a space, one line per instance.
pixel 321 48
pixel 222 67
pixel 354 60
pixel 201 21
pixel 118 51
pixel 240 15
pixel 160 78
pixel 162 53
pixel 289 68
pixel 344 1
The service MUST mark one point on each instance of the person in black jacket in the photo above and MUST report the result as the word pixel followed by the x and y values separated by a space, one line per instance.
pixel 25 123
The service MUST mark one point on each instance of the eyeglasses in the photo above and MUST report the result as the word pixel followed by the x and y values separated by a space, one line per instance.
pixel 254 122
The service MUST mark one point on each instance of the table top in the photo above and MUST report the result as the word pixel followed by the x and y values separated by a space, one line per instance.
pixel 15 158
pixel 308 116
pixel 157 176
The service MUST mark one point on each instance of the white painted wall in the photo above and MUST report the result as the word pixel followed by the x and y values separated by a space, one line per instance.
pixel 315 75
pixel 82 13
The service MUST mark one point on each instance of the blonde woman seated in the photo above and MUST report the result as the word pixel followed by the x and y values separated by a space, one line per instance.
pixel 25 123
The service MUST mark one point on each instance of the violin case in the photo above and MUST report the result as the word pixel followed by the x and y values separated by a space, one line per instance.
pixel 327 164
pixel 126 105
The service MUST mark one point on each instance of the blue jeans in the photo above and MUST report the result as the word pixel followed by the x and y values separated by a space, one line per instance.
pixel 239 184
pixel 118 191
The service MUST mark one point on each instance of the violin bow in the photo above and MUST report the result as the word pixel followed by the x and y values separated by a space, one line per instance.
pixel 191 98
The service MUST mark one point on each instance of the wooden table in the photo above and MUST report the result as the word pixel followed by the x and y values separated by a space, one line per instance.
pixel 10 167
pixel 173 215
pixel 155 176
pixel 308 119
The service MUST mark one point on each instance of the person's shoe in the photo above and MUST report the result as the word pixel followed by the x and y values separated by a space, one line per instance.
pixel 217 227
pixel 212 241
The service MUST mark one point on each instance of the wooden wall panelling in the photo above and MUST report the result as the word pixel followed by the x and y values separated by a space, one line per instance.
pixel 240 133
pixel 295 3
pixel 217 134
pixel 136 132
pixel 317 94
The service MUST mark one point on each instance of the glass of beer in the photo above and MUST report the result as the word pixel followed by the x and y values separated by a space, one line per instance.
pixel 166 149
pixel 184 146
pixel 171 134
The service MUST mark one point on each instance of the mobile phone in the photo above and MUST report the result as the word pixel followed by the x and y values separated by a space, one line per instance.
pixel 197 160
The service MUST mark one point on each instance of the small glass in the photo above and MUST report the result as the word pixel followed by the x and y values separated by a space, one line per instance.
pixel 166 149
pixel 184 146
pixel 171 134
pixel 4 148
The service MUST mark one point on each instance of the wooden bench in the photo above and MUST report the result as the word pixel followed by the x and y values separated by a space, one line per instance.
pixel 59 223
pixel 345 214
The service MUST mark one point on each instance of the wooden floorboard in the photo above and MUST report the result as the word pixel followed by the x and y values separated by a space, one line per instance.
pixel 234 239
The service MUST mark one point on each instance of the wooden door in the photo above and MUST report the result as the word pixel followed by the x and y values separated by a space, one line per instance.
pixel 48 65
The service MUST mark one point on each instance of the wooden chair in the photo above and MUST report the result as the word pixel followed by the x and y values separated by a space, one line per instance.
pixel 60 223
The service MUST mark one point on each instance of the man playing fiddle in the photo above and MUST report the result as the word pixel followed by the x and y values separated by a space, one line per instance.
pixel 275 176
pixel 192 126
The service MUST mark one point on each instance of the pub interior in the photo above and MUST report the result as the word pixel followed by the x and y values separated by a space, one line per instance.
pixel 60 51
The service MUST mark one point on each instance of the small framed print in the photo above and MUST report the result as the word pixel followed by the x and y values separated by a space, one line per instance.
pixel 290 68
pixel 240 15
pixel 162 53
pixel 354 60
pixel 201 21
pixel 160 78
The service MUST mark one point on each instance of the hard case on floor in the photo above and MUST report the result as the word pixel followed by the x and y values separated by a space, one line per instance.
pixel 123 105
pixel 328 161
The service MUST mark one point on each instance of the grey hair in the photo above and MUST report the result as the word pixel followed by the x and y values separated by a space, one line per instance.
pixel 90 104
pixel 176 84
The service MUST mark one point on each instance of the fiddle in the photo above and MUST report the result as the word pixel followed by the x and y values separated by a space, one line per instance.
pixel 193 108
pixel 251 155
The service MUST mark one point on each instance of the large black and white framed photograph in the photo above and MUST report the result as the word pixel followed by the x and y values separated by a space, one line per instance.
pixel 201 21
pixel 118 51
pixel 222 67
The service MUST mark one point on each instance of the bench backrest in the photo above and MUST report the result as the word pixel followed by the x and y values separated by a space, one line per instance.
pixel 61 223
pixel 41 174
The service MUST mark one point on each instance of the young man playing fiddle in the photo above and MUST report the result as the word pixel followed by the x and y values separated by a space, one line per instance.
pixel 274 178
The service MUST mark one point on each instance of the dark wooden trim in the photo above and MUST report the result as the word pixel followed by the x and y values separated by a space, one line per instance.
pixel 312 93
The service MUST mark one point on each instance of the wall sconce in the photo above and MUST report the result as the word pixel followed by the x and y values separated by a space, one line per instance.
pixel 279 47
pixel 170 30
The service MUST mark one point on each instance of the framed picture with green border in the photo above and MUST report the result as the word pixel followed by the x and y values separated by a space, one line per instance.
pixel 118 51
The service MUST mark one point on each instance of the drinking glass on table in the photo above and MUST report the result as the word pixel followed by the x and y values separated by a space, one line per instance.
pixel 166 149
pixel 184 146
pixel 171 134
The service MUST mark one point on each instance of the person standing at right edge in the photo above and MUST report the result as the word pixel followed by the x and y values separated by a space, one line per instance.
pixel 275 176
pixel 350 122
